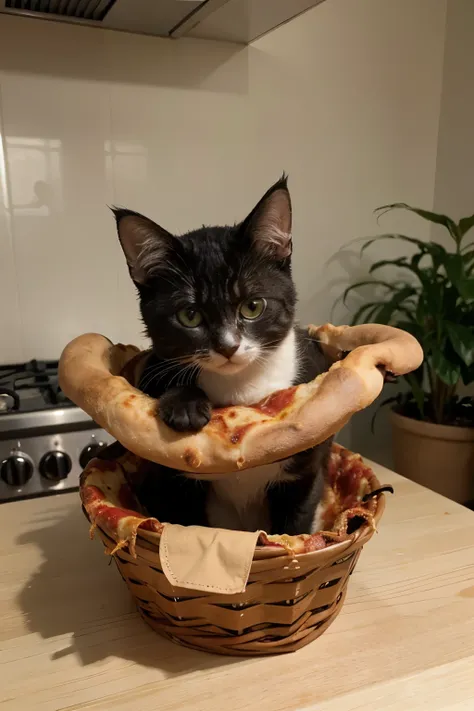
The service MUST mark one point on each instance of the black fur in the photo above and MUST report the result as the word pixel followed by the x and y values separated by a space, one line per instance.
pixel 212 270
pixel 185 408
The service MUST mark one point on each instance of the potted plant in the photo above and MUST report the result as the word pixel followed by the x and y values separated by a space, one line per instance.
pixel 433 421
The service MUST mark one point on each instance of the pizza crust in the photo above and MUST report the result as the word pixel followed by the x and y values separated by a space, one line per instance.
pixel 92 370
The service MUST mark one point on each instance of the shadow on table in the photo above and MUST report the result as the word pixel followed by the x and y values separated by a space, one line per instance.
pixel 76 593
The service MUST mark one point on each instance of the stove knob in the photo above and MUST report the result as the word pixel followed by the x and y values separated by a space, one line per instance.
pixel 16 470
pixel 89 452
pixel 55 465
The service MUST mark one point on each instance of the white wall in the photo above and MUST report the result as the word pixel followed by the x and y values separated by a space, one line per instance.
pixel 454 192
pixel 346 98
pixel 454 188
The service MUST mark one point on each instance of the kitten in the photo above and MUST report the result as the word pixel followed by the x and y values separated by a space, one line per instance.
pixel 219 304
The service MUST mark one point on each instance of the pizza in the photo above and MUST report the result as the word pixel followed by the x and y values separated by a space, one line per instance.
pixel 99 377
pixel 350 501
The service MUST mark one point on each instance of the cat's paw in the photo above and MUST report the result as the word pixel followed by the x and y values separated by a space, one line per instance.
pixel 185 409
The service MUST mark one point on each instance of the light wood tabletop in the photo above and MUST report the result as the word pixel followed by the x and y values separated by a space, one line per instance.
pixel 71 639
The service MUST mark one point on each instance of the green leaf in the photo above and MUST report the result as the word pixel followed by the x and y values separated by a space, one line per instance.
pixel 435 217
pixel 465 225
pixel 417 242
pixel 436 251
pixel 401 263
pixel 411 327
pixel 466 288
pixel 467 374
pixel 468 259
pixel 415 260
pixel 462 340
pixel 454 267
pixel 359 314
pixel 367 282
pixel 432 300
pixel 388 309
pixel 447 371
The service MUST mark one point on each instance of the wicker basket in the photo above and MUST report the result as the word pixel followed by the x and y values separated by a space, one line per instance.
pixel 289 600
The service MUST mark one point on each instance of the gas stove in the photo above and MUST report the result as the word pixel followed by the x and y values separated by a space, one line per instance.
pixel 45 440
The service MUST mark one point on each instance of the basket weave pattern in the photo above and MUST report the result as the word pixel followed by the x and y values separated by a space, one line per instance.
pixel 288 602
pixel 290 599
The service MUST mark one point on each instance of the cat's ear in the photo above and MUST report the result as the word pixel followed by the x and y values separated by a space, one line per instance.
pixel 269 223
pixel 144 243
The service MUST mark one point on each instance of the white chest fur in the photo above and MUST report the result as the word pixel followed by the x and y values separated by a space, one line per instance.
pixel 237 500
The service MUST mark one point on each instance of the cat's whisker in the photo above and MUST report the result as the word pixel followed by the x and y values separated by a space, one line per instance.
pixel 182 375
pixel 268 344
pixel 184 367
pixel 189 378
pixel 261 360
pixel 204 357
pixel 158 372
pixel 194 373
pixel 169 366
pixel 165 362
pixel 159 368
pixel 155 377
pixel 179 373
pixel 144 383
pixel 178 376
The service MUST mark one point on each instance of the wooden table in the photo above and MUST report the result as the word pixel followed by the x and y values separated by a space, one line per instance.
pixel 70 637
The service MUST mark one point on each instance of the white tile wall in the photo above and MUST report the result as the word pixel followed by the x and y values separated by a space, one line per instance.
pixel 55 133
pixel 91 119
pixel 10 314
pixel 192 132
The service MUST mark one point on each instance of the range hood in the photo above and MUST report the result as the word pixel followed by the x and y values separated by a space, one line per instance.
pixel 239 21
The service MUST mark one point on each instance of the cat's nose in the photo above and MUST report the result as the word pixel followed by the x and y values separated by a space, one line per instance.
pixel 227 349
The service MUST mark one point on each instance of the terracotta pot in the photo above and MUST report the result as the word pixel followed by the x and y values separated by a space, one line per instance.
pixel 439 457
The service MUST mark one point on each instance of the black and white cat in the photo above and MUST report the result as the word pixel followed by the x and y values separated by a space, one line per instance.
pixel 218 304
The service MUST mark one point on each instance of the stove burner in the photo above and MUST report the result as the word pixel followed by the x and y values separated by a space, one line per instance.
pixel 9 400
pixel 31 386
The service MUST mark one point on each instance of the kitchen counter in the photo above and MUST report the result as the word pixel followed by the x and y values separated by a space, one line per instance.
pixel 71 639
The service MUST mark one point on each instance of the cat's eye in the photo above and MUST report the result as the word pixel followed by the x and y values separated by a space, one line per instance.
pixel 252 309
pixel 190 318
